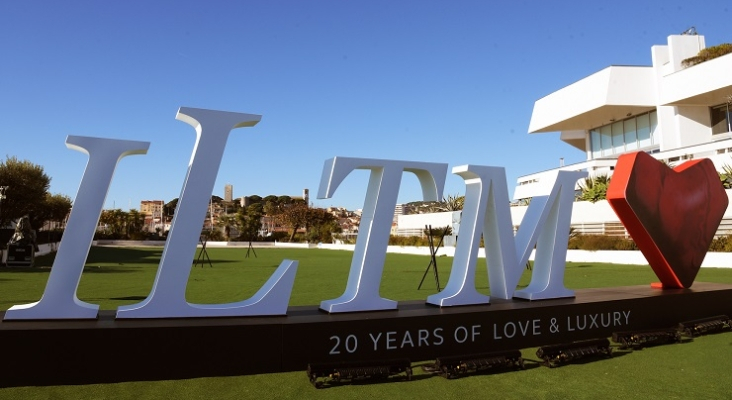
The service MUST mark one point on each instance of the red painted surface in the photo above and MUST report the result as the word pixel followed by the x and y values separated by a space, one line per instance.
pixel 672 214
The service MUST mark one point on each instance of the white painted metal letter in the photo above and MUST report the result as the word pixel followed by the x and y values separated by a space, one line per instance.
pixel 367 265
pixel 483 185
pixel 546 225
pixel 551 224
pixel 167 299
pixel 59 300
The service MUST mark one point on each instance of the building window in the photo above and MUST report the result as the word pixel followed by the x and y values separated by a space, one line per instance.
pixel 631 134
pixel 721 118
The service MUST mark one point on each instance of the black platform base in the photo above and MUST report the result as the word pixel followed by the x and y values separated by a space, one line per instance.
pixel 110 350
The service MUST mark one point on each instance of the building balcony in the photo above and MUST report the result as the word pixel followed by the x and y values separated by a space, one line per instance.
pixel 719 151
pixel 706 84
pixel 607 95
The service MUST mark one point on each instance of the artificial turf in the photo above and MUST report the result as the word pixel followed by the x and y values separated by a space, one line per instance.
pixel 701 368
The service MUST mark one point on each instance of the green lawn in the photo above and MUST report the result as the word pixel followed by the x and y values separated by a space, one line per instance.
pixel 701 368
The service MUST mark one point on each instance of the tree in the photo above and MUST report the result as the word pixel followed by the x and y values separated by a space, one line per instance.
pixel 57 207
pixel 450 203
pixel 270 198
pixel 120 224
pixel 726 176
pixel 321 225
pixel 169 209
pixel 294 216
pixel 226 222
pixel 254 199
pixel 26 194
pixel 113 222
pixel 249 221
pixel 134 221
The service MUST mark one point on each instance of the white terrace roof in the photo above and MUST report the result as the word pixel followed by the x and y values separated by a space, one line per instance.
pixel 613 93
pixel 705 84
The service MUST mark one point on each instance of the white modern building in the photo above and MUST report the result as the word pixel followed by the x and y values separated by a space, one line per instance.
pixel 672 112
pixel 416 224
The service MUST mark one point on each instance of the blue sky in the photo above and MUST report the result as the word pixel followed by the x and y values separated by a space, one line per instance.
pixel 440 81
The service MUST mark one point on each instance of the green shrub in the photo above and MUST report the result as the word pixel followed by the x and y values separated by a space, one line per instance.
pixel 594 189
pixel 213 235
pixel 601 242
pixel 708 54
pixel 138 236
pixel 408 241
pixel 721 244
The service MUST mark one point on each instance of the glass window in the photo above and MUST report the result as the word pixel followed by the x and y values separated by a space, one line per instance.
pixel 595 144
pixel 631 142
pixel 654 127
pixel 619 137
pixel 606 140
pixel 643 130
pixel 720 119
pixel 617 130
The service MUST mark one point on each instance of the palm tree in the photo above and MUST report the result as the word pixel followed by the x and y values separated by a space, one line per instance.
pixel 226 222
pixel 134 222
pixel 726 176
pixel 450 203
pixel 594 189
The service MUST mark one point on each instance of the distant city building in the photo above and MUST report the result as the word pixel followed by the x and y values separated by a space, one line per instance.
pixel 229 192
pixel 153 212
pixel 152 207
pixel 400 209
pixel 306 195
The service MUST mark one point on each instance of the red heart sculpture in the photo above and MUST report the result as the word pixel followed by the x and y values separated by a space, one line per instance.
pixel 672 214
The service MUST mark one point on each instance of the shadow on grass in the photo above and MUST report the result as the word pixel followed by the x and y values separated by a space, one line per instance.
pixel 24 270
pixel 26 300
pixel 136 298
pixel 214 261
pixel 124 255
pixel 108 270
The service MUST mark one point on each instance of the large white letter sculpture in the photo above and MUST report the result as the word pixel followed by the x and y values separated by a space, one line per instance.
pixel 59 300
pixel 546 225
pixel 167 298
pixel 367 265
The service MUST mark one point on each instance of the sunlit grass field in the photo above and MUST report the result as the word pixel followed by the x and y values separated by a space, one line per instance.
pixel 701 368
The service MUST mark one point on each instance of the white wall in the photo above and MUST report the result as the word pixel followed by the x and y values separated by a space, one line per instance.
pixel 695 122
pixel 712 260
pixel 437 220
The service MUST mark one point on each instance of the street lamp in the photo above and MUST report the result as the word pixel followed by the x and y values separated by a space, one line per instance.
pixel 2 193
pixel 2 197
